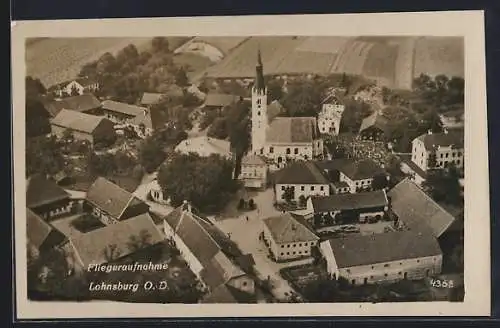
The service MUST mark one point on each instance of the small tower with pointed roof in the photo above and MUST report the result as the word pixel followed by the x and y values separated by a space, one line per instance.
pixel 259 108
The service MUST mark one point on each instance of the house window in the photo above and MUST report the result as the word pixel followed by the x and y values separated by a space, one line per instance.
pixel 283 188
pixel 300 252
pixel 312 188
pixel 348 271
pixel 400 273
pixel 418 261
pixel 258 113
pixel 373 267
pixel 321 188
pixel 302 188
pixel 300 244
pixel 294 245
pixel 282 246
pixel 453 154
pixel 288 151
pixel 271 150
pixel 386 265
pixel 287 253
pixel 282 254
pixel 294 253
pixel 441 155
pixel 296 151
pixel 244 283
pixel 259 101
pixel 385 274
pixel 446 155
pixel 459 154
pixel 287 246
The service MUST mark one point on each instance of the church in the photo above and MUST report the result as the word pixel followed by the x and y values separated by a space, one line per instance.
pixel 280 139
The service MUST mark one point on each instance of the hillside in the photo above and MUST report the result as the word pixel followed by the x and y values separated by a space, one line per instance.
pixel 392 61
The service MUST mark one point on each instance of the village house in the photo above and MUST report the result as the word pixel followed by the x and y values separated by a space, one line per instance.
pixel 384 257
pixel 112 243
pixel 374 127
pixel 45 198
pixel 41 235
pixel 304 180
pixel 202 247
pixel 156 193
pixel 413 209
pixel 253 172
pixel 75 87
pixel 83 127
pixel 289 237
pixel 148 122
pixel 110 203
pixel 437 150
pixel 218 101
pixel 359 175
pixel 329 118
pixel 205 146
pixel 149 99
pixel 453 119
pixel 350 208
pixel 86 103
pixel 122 113
pixel 281 138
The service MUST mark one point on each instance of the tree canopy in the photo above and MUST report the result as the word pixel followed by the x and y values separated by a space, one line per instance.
pixel 444 185
pixel 206 182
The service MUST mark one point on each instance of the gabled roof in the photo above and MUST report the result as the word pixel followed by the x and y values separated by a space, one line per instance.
pixel 418 210
pixel 149 98
pixel 109 197
pixel 376 120
pixel 220 99
pixel 81 103
pixel 292 130
pixel 453 138
pixel 204 146
pixel 335 164
pixel 363 169
pixel 42 191
pixel 83 81
pixel 349 201
pixel 152 119
pixel 289 228
pixel 123 108
pixel 252 160
pixel 77 121
pixel 41 234
pixel 126 237
pixel 356 250
pixel 190 228
pixel 300 173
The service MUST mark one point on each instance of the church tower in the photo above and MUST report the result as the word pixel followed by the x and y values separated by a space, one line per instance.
pixel 259 109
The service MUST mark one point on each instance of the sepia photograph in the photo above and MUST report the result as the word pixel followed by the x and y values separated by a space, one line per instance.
pixel 176 168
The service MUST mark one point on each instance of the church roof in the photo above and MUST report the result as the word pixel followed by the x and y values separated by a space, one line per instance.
pixel 292 130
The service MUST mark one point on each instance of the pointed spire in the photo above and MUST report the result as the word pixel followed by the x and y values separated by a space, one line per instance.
pixel 259 76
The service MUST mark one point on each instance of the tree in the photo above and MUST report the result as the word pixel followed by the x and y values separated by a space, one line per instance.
pixel 275 90
pixel 151 154
pixel 101 165
pixel 74 91
pixel 160 44
pixel 288 194
pixel 302 201
pixel 241 204
pixel 181 78
pixel 34 88
pixel 303 98
pixel 379 181
pixel 444 186
pixel 206 182
pixel 354 113
pixel 218 129
pixel 43 156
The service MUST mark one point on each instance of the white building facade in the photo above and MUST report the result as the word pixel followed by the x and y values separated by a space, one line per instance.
pixel 436 151
pixel 329 119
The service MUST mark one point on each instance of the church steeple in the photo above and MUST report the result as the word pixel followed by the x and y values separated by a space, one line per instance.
pixel 259 84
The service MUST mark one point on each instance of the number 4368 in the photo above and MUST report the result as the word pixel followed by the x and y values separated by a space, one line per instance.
pixel 438 283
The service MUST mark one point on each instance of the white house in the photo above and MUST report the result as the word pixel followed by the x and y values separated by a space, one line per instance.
pixel 303 178
pixel 205 146
pixel 329 118
pixel 289 237
pixel 75 87
pixel 358 175
pixel 437 150
pixel 281 138
pixel 253 172
pixel 385 257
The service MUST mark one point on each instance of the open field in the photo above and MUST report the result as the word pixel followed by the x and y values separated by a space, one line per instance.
pixel 55 60
pixel 393 61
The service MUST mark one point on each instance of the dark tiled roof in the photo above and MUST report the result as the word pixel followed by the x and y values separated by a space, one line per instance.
pixel 375 120
pixel 357 250
pixel 82 103
pixel 289 228
pixel 149 98
pixel 109 197
pixel 40 233
pixel 453 138
pixel 152 119
pixel 77 121
pixel 335 164
pixel 220 99
pixel 126 237
pixel 292 130
pixel 417 210
pixel 364 169
pixel 349 201
pixel 300 173
pixel 83 81
pixel 124 108
pixel 41 191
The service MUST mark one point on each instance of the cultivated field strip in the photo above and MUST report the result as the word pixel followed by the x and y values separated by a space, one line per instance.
pixel 439 55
